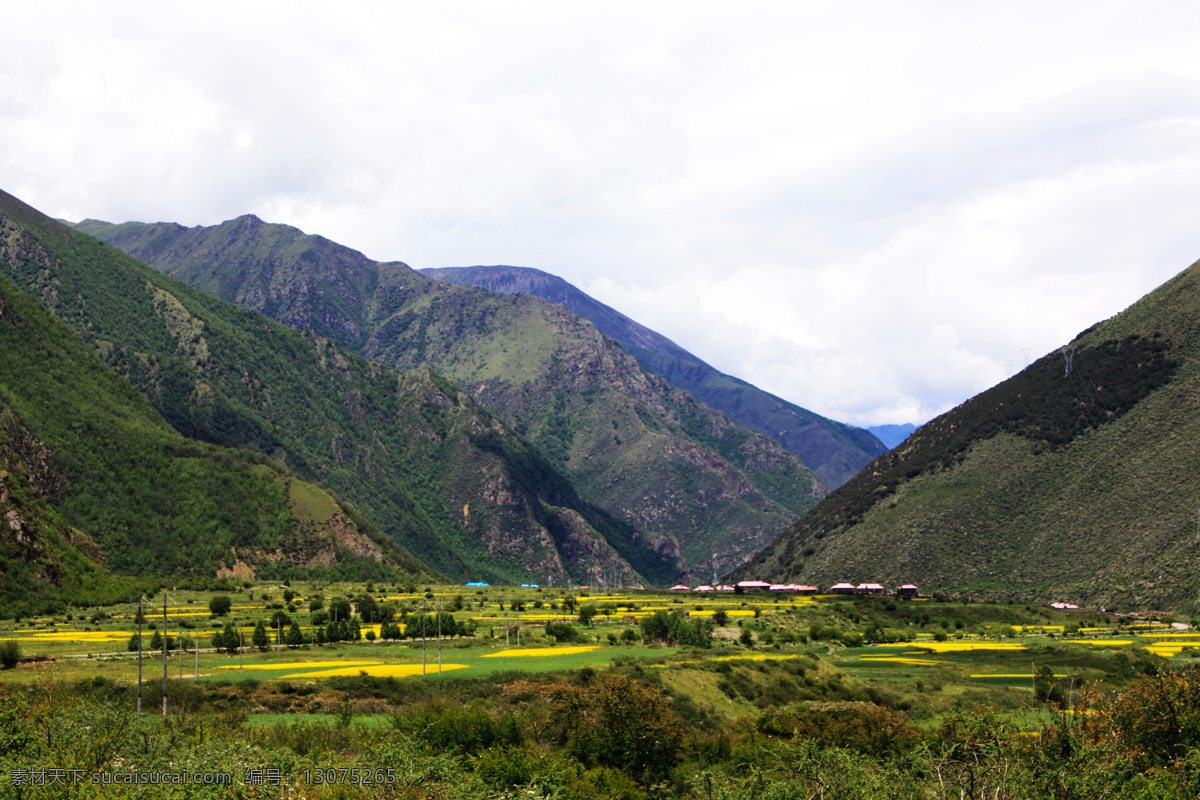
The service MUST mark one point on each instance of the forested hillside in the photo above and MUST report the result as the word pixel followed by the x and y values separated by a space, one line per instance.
pixel 94 477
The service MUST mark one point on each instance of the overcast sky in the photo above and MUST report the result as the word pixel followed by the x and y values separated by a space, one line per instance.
pixel 874 210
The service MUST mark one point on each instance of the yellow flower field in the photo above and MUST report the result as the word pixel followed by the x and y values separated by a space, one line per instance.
pixel 1016 675
pixel 544 651
pixel 1165 649
pixel 903 660
pixel 1172 634
pixel 302 665
pixel 957 647
pixel 72 636
pixel 1168 649
pixel 377 671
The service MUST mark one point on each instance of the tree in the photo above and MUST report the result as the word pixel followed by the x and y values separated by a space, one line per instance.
pixel 134 643
pixel 367 607
pixel 747 638
pixel 339 608
pixel 220 605
pixel 295 636
pixel 156 641
pixel 586 613
pixel 10 654
pixel 227 640
pixel 676 628
pixel 259 637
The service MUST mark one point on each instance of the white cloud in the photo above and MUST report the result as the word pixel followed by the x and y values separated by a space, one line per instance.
pixel 866 208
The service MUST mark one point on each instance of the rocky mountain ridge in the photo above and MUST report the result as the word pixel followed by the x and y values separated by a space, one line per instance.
pixel 680 474
pixel 832 450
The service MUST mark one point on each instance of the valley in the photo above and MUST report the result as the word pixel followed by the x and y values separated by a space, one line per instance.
pixel 686 692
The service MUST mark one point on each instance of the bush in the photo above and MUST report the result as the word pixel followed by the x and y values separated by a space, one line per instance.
pixel 617 723
pixel 10 654
pixel 562 631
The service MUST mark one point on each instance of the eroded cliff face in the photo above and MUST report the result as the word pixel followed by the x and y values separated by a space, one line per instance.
pixel 307 546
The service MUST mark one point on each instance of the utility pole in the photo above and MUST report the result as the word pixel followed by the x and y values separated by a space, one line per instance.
pixel 166 653
pixel 140 598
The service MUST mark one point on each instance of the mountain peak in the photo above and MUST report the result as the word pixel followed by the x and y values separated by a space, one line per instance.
pixel 833 450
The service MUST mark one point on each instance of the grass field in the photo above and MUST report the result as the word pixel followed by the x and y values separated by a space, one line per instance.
pixel 949 654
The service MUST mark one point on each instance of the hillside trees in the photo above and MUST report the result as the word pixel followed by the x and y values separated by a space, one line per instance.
pixel 676 628
pixel 227 640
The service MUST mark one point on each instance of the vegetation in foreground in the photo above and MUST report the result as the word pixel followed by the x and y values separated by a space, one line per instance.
pixel 723 697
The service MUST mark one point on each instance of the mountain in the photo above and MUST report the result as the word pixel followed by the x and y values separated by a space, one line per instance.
pixel 82 451
pixel 892 435
pixel 833 450
pixel 439 476
pixel 1076 479
pixel 690 483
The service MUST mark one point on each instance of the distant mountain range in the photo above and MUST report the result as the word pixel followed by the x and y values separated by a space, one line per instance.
pixel 699 492
pixel 1076 479
pixel 833 450
pixel 892 435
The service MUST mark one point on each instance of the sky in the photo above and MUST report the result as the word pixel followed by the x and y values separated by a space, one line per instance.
pixel 873 210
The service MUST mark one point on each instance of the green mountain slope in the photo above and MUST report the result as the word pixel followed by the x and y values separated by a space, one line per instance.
pixel 419 459
pixel 1077 479
pixel 44 563
pixel 87 459
pixel 690 481
pixel 833 450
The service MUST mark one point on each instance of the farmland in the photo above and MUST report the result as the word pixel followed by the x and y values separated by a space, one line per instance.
pixel 578 693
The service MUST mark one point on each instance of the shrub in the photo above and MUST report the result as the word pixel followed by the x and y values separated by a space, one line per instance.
pixel 562 631
pixel 615 722
pixel 10 654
